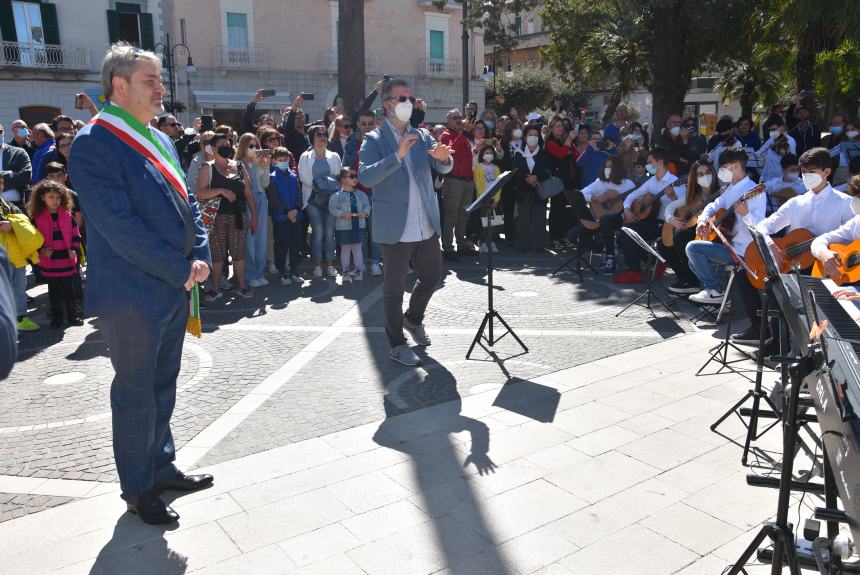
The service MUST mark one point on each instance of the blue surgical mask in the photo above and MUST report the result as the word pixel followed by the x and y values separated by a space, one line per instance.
pixel 835 130
pixel 650 169
pixel 283 166
pixel 490 124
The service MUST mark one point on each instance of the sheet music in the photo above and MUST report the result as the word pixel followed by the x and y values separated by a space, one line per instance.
pixel 852 307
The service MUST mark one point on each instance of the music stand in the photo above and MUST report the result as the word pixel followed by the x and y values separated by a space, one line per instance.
pixel 578 207
pixel 484 201
pixel 653 258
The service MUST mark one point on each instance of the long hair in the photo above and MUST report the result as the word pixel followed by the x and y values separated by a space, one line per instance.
pixel 37 197
pixel 618 172
pixel 333 134
pixel 694 190
pixel 242 148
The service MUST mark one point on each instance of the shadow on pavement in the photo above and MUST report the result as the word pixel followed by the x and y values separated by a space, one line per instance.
pixel 138 549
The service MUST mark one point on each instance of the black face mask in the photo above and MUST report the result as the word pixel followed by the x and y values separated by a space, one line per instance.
pixel 225 152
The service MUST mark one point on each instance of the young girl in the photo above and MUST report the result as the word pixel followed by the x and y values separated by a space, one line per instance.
pixel 350 208
pixel 485 173
pixel 51 210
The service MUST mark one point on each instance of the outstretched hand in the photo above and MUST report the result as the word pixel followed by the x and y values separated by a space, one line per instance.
pixel 441 152
pixel 482 463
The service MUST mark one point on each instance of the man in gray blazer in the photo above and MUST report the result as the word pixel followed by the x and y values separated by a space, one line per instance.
pixel 395 160
pixel 16 171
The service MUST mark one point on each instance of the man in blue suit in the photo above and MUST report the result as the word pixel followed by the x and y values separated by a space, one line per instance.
pixel 395 161
pixel 147 247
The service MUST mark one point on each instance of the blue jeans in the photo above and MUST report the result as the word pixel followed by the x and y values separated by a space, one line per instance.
pixel 373 249
pixel 322 227
pixel 257 244
pixel 705 257
pixel 19 285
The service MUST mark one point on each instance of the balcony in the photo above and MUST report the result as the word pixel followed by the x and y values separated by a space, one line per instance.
pixel 247 58
pixel 440 68
pixel 328 63
pixel 44 56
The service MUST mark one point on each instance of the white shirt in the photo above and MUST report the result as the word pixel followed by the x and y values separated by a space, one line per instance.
pixel 598 187
pixel 776 184
pixel 653 186
pixel 418 225
pixel 819 213
pixel 772 169
pixel 844 234
pixel 741 237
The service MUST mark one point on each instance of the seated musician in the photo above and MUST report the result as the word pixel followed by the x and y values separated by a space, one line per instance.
pixel 701 184
pixel 853 176
pixel 706 256
pixel 649 228
pixel 612 178
pixel 779 190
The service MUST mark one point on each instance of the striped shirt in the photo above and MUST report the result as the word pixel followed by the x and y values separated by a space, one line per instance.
pixel 64 259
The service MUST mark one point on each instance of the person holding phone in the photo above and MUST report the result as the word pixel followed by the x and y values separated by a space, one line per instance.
pixel 293 128
pixel 257 160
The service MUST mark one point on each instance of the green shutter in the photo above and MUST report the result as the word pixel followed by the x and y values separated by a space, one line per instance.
pixel 128 7
pixel 113 26
pixel 49 23
pixel 437 44
pixel 147 35
pixel 7 22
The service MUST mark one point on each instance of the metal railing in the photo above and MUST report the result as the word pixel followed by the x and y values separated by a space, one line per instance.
pixel 328 63
pixel 51 56
pixel 251 58
pixel 440 68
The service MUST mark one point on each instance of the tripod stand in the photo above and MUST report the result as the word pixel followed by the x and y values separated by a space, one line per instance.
pixel 578 207
pixel 649 293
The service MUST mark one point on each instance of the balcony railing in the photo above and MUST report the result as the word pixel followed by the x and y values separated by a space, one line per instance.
pixel 440 68
pixel 249 58
pixel 48 56
pixel 328 63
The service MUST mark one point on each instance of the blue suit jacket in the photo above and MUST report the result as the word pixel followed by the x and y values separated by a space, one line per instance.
pixel 135 231
pixel 380 169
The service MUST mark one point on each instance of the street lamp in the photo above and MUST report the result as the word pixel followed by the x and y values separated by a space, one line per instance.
pixel 167 61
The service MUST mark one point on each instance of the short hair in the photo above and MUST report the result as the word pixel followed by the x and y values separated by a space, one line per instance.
pixel 787 161
pixel 774 121
pixel 121 61
pixel 54 168
pixel 61 118
pixel 267 132
pixel 731 155
pixel 660 154
pixel 316 129
pixel 452 112
pixel 223 129
pixel 162 119
pixel 44 129
pixel 365 113
pixel 390 85
pixel 816 158
pixel 344 172
pixel 280 152
pixel 852 188
pixel 742 118
pixel 724 125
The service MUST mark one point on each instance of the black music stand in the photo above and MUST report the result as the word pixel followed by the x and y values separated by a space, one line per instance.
pixel 484 202
pixel 578 207
pixel 653 258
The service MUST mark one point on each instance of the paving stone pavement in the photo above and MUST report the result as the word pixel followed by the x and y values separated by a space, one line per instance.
pixel 15 505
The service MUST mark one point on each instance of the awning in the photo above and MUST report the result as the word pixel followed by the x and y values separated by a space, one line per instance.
pixel 223 100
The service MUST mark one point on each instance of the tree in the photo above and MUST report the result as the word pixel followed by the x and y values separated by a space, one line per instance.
pixel 495 18
pixel 526 90
pixel 749 83
pixel 350 53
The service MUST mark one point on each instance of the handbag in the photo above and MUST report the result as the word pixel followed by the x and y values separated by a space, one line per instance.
pixel 550 187
pixel 324 187
pixel 209 208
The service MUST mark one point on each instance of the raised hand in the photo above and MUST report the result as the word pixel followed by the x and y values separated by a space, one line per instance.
pixel 441 152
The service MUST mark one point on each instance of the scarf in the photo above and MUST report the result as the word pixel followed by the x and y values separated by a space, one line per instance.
pixel 529 156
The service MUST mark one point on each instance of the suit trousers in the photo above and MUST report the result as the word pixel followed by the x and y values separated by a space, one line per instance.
pixel 146 353
pixel 427 261
pixel 456 197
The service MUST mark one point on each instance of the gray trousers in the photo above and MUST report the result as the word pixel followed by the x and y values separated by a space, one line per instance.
pixel 427 261
pixel 456 197
pixel 531 221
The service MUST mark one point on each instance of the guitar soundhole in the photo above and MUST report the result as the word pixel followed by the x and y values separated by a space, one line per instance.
pixel 852 260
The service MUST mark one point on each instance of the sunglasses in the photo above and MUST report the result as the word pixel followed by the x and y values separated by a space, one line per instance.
pixel 403 98
pixel 273 139
pixel 252 146
pixel 365 124
pixel 352 175
pixel 175 124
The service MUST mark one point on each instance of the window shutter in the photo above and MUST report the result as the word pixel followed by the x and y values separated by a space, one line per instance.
pixel 49 23
pixel 113 26
pixel 7 22
pixel 147 34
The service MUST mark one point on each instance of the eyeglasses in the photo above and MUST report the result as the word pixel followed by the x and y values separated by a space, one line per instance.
pixel 252 146
pixel 175 124
pixel 403 98
pixel 352 175
pixel 365 124
pixel 273 139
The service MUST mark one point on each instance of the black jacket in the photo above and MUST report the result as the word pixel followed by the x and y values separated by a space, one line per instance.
pixel 28 147
pixel 17 170
pixel 542 169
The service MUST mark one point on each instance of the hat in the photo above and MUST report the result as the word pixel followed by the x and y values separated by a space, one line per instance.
pixel 533 116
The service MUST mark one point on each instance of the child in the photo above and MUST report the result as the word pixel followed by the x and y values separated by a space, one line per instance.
pixel 285 208
pixel 57 172
pixel 51 209
pixel 485 173
pixel 349 207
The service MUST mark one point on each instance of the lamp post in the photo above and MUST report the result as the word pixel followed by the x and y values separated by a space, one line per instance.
pixel 167 61
pixel 465 39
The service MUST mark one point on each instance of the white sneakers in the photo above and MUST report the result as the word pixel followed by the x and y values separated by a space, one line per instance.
pixel 376 270
pixel 317 272
pixel 708 297
pixel 258 283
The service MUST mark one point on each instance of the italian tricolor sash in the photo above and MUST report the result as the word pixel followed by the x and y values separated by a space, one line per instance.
pixel 139 137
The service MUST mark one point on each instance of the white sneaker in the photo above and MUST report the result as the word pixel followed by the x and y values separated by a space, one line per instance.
pixel 273 269
pixel 375 270
pixel 708 296
pixel 331 271
pixel 262 282
pixel 317 272
pixel 347 279
pixel 257 283
pixel 483 248
pixel 285 281
pixel 359 276
pixel 494 248
pixel 297 279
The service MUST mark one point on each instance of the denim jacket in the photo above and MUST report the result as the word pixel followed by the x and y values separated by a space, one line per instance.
pixel 339 203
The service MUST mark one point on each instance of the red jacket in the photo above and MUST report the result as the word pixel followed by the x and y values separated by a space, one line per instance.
pixel 462 153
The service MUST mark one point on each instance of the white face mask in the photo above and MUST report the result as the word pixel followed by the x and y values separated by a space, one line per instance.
pixel 532 141
pixel 403 111
pixel 725 175
pixel 773 134
pixel 209 151
pixel 705 181
pixel 792 176
pixel 607 172
pixel 812 180
pixel 852 134
pixel 635 137
pixel 675 131
pixel 517 134
pixel 489 157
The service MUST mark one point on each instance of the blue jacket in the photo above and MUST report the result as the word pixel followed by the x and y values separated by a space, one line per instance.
pixel 283 194
pixel 135 231
pixel 36 161
pixel 590 164
pixel 339 203
pixel 380 169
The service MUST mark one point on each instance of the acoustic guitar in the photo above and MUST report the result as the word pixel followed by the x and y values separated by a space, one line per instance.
pixel 724 219
pixel 795 250
pixel 688 215
pixel 608 203
pixel 849 268
pixel 648 206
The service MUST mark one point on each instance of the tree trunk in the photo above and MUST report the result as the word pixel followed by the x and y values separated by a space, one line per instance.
pixel 669 80
pixel 350 53
pixel 804 68
pixel 611 104
pixel 747 100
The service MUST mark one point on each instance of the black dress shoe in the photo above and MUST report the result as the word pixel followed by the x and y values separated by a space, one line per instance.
pixel 182 482
pixel 152 510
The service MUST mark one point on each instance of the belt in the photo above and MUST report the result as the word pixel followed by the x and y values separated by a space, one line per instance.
pixel 461 178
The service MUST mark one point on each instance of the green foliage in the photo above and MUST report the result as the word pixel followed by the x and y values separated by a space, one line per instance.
pixel 526 90
pixel 494 17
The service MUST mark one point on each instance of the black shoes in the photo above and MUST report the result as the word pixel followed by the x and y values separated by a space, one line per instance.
pixel 450 255
pixel 56 318
pixel 152 510
pixel 685 288
pixel 749 336
pixel 182 482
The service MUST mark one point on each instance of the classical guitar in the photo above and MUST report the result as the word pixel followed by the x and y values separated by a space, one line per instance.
pixel 688 215
pixel 724 219
pixel 648 206
pixel 795 250
pixel 608 203
pixel 849 267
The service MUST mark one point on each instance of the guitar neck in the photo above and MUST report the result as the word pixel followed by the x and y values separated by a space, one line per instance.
pixel 747 196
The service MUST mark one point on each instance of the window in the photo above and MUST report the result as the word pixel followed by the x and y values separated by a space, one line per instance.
pixel 237 30
pixel 28 23
pixel 531 27
pixel 518 25
pixel 127 23
pixel 437 44
pixel 37 114
pixel 182 30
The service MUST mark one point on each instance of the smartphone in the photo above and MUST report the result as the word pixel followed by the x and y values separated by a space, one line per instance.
pixel 268 93
pixel 380 113
pixel 489 142
pixel 307 96
pixel 79 101
pixel 207 122
pixel 263 153
pixel 386 78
